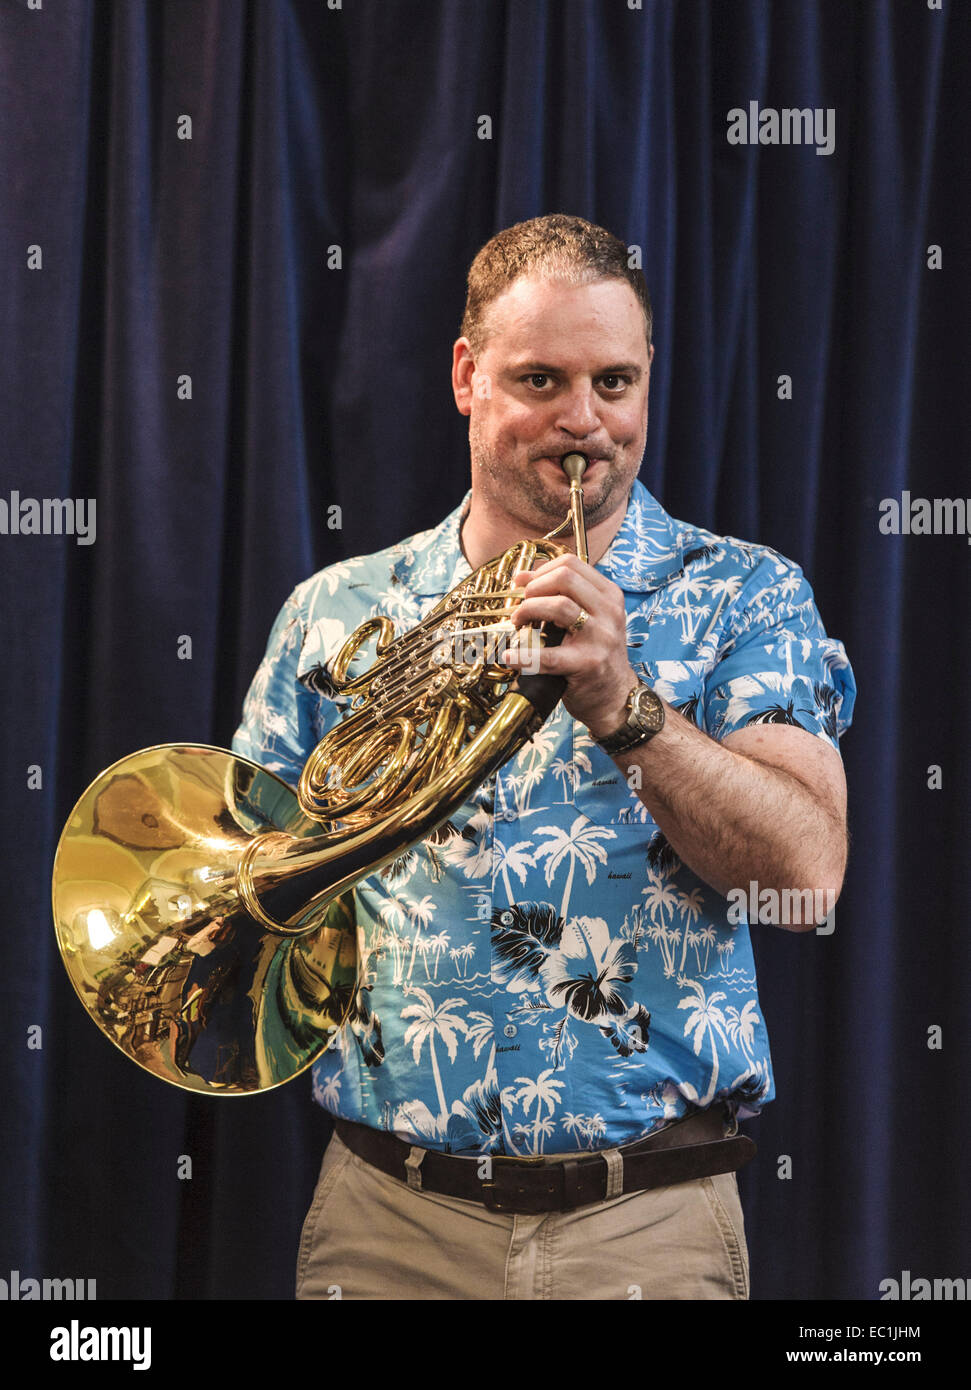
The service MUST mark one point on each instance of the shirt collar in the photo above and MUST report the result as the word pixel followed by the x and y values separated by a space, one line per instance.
pixel 647 551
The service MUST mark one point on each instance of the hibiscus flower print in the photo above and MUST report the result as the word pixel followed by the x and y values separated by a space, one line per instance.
pixel 591 972
pixel 523 938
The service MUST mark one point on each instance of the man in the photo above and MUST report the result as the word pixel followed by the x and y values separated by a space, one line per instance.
pixel 556 974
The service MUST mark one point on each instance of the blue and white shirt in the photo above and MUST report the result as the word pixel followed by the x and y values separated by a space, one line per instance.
pixel 543 974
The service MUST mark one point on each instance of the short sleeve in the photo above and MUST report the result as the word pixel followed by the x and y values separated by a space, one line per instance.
pixel 278 724
pixel 776 665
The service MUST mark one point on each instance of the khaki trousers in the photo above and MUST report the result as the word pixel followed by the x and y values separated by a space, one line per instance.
pixel 369 1236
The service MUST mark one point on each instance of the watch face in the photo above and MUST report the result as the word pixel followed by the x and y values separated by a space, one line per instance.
pixel 647 710
pixel 645 718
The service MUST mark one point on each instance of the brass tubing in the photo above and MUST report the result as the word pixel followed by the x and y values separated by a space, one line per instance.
pixel 574 466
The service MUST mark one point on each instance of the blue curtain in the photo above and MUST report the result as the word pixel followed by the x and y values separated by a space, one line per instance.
pixel 301 258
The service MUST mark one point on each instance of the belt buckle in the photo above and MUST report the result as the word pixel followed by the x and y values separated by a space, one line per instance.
pixel 503 1197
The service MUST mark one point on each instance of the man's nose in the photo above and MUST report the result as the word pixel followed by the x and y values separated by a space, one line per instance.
pixel 577 414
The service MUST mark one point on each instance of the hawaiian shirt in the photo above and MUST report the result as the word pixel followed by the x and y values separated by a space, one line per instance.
pixel 542 974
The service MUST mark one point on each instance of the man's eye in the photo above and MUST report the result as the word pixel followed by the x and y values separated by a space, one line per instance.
pixel 537 380
pixel 614 381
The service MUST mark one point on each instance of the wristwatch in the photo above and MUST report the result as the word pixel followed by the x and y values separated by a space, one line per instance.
pixel 645 718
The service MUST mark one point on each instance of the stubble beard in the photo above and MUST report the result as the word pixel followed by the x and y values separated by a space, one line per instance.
pixel 519 490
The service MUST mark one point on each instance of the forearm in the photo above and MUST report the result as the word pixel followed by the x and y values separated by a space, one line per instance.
pixel 731 819
pixel 772 813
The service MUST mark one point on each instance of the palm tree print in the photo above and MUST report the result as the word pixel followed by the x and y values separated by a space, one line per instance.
pixel 539 747
pixel 327 1092
pixel 578 844
pixel 707 938
pixel 539 1091
pixel 565 769
pixel 421 914
pixel 725 948
pixel 522 1131
pixel 595 1128
pixel 522 784
pixel 482 1031
pixel 438 945
pixel 707 1021
pixel 588 1127
pixel 515 858
pixel 532 760
pixel 741 1027
pixel 689 906
pixel 573 1124
pixel 392 914
pixel 685 592
pixel 462 953
pixel 424 947
pixel 660 895
pixel 434 1021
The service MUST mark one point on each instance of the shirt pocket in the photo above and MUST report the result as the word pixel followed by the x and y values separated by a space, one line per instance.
pixel 601 790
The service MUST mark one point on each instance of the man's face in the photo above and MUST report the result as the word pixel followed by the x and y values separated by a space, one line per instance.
pixel 563 367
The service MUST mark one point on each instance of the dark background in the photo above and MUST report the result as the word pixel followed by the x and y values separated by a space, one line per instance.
pixel 311 386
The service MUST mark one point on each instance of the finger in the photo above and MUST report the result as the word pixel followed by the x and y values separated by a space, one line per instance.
pixel 565 561
pixel 560 661
pixel 564 566
pixel 552 608
pixel 567 584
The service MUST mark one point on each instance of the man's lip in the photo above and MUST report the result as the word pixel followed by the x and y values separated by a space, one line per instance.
pixel 558 458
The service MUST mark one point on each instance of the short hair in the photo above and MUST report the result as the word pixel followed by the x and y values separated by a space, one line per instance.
pixel 555 247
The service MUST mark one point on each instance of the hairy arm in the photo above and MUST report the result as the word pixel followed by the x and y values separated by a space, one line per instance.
pixel 767 804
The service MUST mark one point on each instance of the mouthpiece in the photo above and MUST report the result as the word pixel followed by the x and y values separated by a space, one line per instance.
pixel 574 466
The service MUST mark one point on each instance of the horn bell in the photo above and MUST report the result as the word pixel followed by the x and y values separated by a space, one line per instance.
pixel 157 943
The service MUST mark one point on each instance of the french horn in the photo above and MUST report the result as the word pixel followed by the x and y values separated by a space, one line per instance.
pixel 204 917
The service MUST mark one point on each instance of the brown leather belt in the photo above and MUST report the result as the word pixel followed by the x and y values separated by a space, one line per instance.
pixel 682 1151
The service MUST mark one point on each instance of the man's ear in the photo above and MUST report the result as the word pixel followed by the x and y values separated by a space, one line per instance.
pixel 463 369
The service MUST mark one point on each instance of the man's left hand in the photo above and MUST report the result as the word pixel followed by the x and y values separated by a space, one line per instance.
pixel 593 656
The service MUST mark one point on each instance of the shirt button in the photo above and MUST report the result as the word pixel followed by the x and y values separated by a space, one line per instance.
pixel 509 814
pixel 506 918
pixel 509 1031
